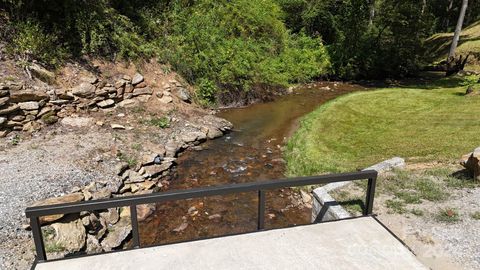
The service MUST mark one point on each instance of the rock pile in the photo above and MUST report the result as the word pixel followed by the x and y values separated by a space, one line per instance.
pixel 98 231
pixel 28 109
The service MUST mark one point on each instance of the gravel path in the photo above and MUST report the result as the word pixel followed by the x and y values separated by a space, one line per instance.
pixel 462 239
pixel 36 169
pixel 451 245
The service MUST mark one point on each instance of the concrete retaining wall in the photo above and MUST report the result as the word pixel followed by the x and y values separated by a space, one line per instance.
pixel 325 208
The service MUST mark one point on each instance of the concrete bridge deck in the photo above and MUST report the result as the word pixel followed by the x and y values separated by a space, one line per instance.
pixel 360 243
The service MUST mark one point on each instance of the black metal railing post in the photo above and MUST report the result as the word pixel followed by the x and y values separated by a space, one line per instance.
pixel 134 221
pixel 370 196
pixel 38 239
pixel 261 210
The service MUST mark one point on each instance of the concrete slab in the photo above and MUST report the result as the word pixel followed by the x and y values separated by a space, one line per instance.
pixel 349 244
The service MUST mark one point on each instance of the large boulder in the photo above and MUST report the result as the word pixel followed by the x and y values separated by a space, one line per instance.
pixel 137 78
pixel 42 74
pixel 183 94
pixel 84 90
pixel 217 122
pixel 70 198
pixel 70 236
pixel 189 137
pixel 471 162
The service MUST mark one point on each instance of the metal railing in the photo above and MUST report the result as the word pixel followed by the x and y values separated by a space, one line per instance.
pixel 34 213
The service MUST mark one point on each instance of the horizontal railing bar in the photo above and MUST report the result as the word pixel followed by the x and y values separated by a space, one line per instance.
pixel 102 204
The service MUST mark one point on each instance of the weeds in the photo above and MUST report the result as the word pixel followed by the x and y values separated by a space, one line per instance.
pixel 16 139
pixel 162 122
pixel 417 212
pixel 476 215
pixel 138 110
pixel 396 206
pixel 430 190
pixel 54 247
pixel 132 162
pixel 447 215
pixel 137 146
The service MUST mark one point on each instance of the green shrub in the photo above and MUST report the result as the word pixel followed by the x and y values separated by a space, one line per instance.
pixel 206 91
pixel 162 122
pixel 31 42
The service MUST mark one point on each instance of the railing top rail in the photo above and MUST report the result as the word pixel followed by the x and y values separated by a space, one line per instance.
pixel 67 208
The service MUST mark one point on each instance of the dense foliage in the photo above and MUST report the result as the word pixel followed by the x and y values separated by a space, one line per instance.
pixel 218 45
pixel 366 39
pixel 230 47
pixel 237 46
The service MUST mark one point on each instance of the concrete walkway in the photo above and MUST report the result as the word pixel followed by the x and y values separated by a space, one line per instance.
pixel 349 244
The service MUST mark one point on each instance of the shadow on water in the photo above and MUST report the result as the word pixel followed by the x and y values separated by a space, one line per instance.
pixel 250 153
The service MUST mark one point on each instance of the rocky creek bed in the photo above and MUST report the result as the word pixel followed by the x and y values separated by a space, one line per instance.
pixel 133 148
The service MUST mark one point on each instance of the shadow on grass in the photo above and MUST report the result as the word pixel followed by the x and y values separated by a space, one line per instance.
pixel 428 80
pixel 356 205
pixel 463 175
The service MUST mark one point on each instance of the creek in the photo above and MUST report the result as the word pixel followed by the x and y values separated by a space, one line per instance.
pixel 251 152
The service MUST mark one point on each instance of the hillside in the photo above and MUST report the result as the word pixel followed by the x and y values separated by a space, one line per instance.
pixel 439 44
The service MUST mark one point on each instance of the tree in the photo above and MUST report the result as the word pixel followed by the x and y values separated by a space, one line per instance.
pixel 458 30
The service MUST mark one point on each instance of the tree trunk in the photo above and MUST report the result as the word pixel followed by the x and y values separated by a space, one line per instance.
pixel 424 6
pixel 372 11
pixel 458 29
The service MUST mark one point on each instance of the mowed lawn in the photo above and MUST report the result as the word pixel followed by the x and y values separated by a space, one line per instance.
pixel 363 128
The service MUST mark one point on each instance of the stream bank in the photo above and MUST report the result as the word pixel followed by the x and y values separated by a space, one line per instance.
pixel 252 152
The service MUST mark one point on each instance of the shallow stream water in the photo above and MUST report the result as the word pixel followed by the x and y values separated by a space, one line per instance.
pixel 252 152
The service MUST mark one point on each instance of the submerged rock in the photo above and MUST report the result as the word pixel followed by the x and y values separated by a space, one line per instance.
pixel 155 170
pixel 144 211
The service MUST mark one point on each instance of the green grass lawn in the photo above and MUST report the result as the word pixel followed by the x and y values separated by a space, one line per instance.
pixel 363 128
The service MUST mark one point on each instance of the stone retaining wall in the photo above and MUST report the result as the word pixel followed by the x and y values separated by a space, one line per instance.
pixel 28 109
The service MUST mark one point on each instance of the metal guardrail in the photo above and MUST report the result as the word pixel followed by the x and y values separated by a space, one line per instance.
pixel 34 213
